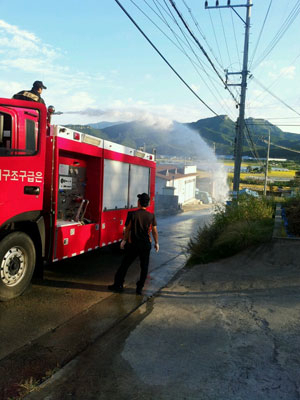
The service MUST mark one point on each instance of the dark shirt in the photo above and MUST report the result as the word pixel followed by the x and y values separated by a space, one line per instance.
pixel 141 222
pixel 30 95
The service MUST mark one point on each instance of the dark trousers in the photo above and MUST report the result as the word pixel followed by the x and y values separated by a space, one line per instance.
pixel 131 253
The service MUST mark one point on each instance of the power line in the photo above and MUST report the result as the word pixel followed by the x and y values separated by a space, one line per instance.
pixel 252 143
pixel 167 9
pixel 227 111
pixel 180 48
pixel 288 22
pixel 217 43
pixel 188 42
pixel 276 97
pixel 260 34
pixel 221 19
pixel 282 147
pixel 261 124
pixel 179 45
pixel 279 76
pixel 273 144
pixel 201 33
pixel 165 60
pixel 251 149
pixel 201 47
pixel 169 12
pixel 236 45
pixel 279 118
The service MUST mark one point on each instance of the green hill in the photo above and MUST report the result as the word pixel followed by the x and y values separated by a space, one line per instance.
pixel 220 132
pixel 183 139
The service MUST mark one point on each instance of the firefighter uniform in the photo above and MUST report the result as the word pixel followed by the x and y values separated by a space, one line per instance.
pixel 33 94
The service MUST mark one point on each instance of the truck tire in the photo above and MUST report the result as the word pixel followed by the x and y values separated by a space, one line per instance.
pixel 17 263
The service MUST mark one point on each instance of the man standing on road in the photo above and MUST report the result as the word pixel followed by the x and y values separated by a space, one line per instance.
pixel 32 95
pixel 137 243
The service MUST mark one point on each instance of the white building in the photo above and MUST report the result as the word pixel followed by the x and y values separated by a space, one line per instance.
pixel 181 182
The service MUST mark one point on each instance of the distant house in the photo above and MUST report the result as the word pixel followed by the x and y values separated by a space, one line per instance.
pixel 181 182
pixel 278 159
pixel 225 157
pixel 279 169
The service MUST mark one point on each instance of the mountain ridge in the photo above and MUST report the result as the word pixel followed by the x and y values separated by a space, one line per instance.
pixel 217 132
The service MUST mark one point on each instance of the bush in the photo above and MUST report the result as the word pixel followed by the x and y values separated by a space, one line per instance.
pixel 292 209
pixel 235 227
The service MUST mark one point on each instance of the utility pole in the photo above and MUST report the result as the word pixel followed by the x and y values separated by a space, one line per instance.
pixel 267 164
pixel 243 85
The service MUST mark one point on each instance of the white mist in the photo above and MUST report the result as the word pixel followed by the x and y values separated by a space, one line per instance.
pixel 187 143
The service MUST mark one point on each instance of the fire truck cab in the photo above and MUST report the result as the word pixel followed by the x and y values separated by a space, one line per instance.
pixel 62 192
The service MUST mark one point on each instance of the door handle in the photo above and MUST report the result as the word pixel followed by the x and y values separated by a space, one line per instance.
pixel 32 190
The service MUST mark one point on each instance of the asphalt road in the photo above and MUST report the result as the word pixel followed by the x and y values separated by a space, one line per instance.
pixel 227 330
pixel 71 307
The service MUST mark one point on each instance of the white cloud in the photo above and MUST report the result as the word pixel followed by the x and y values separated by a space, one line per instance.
pixel 80 99
pixel 274 72
pixel 14 39
pixel 288 72
pixel 8 89
pixel 124 114
pixel 14 30
pixel 29 58
pixel 273 75
pixel 160 116
pixel 27 65
pixel 257 92
pixel 24 52
pixel 21 44
pixel 195 88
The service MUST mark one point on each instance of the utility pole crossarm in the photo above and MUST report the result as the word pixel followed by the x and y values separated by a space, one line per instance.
pixel 239 5
pixel 228 6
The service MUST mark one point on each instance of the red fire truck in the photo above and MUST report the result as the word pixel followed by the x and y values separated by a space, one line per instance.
pixel 62 192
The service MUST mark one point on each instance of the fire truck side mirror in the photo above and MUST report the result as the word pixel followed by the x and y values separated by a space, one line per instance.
pixel 1 128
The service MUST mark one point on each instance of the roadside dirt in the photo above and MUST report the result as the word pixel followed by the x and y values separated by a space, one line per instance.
pixel 228 330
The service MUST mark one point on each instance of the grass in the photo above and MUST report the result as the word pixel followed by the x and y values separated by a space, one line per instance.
pixel 257 178
pixel 29 385
pixel 26 387
pixel 243 223
pixel 32 384
pixel 271 174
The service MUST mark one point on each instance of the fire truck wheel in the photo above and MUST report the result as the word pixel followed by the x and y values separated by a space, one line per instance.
pixel 17 262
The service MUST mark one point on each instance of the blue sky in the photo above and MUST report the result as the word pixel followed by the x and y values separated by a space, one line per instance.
pixel 93 60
